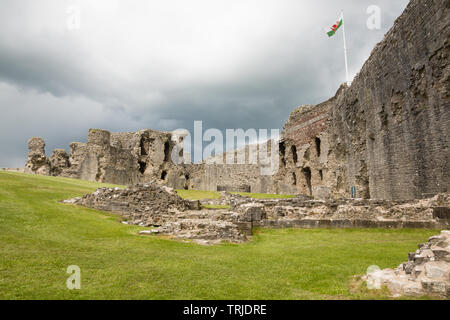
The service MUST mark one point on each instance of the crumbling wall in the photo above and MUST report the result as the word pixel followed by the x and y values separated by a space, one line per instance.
pixel 59 161
pixel 432 213
pixel 142 204
pixel 120 158
pixel 241 170
pixel 304 153
pixel 37 160
pixel 388 134
pixel 390 131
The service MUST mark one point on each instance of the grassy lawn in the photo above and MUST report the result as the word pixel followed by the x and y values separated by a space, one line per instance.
pixel 199 195
pixel 40 238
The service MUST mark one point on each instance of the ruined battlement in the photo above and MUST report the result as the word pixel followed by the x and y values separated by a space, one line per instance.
pixel 386 136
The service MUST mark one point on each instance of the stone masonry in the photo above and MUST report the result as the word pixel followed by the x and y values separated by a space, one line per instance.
pixel 157 206
pixel 387 135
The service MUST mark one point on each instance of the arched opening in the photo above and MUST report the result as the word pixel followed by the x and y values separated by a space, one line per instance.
pixel 321 174
pixel 186 185
pixel 142 166
pixel 294 154
pixel 294 179
pixel 166 151
pixel 282 148
pixel 317 140
pixel 307 175
pixel 144 147
pixel 163 175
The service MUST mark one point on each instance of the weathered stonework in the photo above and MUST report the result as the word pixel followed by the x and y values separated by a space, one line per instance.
pixel 145 204
pixel 304 151
pixel 430 213
pixel 160 207
pixel 145 156
pixel 386 136
pixel 37 160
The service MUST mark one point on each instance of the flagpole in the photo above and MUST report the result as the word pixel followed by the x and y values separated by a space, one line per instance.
pixel 345 48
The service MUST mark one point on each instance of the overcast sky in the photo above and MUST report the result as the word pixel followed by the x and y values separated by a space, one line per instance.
pixel 163 64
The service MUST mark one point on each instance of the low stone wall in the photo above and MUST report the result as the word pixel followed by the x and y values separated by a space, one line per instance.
pixel 153 205
pixel 433 213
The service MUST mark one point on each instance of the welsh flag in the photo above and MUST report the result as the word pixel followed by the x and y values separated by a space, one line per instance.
pixel 335 27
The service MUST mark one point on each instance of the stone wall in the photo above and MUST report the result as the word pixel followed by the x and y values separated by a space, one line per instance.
pixel 142 204
pixel 304 152
pixel 246 173
pixel 390 131
pixel 433 213
pixel 387 134
pixel 127 158
pixel 153 205
pixel 385 137
pixel 121 158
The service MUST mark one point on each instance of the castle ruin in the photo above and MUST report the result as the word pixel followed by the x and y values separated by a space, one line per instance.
pixel 384 137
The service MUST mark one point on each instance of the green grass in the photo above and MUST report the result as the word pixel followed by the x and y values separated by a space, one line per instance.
pixel 200 195
pixel 216 206
pixel 40 238
pixel 265 195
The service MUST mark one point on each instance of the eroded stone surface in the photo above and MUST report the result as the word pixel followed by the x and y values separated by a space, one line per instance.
pixel 37 160
pixel 142 204
pixel 384 137
pixel 155 205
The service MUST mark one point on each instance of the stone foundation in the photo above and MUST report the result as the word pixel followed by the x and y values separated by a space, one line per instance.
pixel 158 206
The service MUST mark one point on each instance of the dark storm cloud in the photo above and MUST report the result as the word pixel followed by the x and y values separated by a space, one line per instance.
pixel 162 65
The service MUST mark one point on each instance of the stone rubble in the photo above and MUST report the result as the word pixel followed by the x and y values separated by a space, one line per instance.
pixel 427 272
pixel 159 206
pixel 142 204
pixel 427 213
pixel 385 136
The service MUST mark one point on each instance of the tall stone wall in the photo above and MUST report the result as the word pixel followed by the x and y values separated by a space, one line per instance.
pixel 387 135
pixel 241 170
pixel 390 131
pixel 129 158
pixel 304 152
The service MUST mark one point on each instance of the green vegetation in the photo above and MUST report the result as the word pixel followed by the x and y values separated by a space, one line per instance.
pixel 265 195
pixel 40 238
pixel 199 195
pixel 216 206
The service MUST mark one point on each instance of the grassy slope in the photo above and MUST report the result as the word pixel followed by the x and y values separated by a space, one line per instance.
pixel 199 195
pixel 40 237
